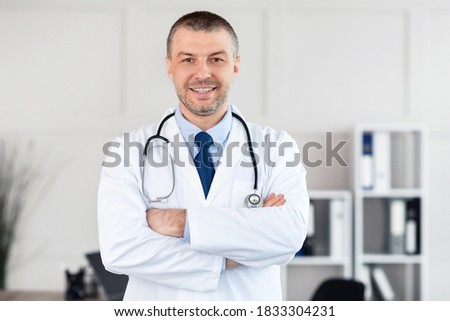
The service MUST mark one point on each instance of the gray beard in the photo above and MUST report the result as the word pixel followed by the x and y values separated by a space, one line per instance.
pixel 203 110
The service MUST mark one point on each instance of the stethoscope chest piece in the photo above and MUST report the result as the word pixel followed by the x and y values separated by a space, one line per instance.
pixel 253 200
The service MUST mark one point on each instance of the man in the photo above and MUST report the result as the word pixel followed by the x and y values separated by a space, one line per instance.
pixel 201 242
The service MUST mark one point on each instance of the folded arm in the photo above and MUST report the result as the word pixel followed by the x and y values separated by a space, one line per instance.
pixel 257 237
pixel 172 222
pixel 129 247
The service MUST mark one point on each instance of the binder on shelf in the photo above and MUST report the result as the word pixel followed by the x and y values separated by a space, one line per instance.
pixel 397 220
pixel 405 159
pixel 308 245
pixel 412 179
pixel 367 162
pixel 337 226
pixel 382 285
pixel 412 228
pixel 382 158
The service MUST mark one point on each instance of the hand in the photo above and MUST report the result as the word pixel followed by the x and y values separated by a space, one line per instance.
pixel 272 200
pixel 168 222
pixel 230 264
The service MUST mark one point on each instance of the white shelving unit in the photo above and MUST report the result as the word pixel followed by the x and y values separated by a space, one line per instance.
pixel 303 274
pixel 380 236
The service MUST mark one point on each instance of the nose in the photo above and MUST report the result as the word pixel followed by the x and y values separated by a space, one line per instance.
pixel 202 70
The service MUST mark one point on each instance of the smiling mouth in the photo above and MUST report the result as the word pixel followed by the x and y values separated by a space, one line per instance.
pixel 203 90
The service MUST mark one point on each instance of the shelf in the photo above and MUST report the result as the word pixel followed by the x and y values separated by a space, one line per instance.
pixel 391 159
pixel 330 219
pixel 391 259
pixel 393 193
pixel 317 260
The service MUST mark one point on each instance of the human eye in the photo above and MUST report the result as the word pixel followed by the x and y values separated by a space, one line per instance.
pixel 217 59
pixel 188 60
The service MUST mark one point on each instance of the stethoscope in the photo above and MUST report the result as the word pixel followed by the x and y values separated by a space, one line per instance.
pixel 252 200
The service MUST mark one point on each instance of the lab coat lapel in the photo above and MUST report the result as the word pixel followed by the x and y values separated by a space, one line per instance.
pixel 231 156
pixel 183 159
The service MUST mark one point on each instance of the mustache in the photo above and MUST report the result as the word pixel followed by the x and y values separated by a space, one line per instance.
pixel 202 83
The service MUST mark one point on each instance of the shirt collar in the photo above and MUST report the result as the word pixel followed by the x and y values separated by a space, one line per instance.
pixel 219 132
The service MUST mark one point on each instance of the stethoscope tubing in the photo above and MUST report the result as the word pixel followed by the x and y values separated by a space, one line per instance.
pixel 250 149
pixel 159 136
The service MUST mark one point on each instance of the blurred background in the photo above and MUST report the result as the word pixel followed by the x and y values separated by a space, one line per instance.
pixel 74 74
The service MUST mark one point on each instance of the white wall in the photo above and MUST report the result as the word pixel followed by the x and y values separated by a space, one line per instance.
pixel 74 74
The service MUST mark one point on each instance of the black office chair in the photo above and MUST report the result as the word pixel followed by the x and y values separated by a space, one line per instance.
pixel 339 289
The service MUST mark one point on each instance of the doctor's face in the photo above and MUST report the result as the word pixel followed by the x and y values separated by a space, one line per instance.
pixel 202 68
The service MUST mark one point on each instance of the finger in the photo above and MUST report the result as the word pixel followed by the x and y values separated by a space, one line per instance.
pixel 280 200
pixel 269 199
pixel 270 202
pixel 274 200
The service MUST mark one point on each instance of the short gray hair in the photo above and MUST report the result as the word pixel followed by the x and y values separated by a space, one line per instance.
pixel 202 21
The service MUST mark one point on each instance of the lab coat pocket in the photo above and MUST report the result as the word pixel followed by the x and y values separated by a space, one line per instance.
pixel 239 191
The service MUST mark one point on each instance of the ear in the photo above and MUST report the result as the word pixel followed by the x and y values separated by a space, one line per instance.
pixel 169 68
pixel 237 61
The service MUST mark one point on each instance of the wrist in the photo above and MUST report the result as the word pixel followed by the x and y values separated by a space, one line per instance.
pixel 181 221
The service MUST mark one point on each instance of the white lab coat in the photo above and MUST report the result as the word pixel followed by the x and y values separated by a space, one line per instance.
pixel 169 268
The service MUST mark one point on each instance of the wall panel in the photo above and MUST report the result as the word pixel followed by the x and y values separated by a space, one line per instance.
pixel 337 67
pixel 60 64
pixel 436 108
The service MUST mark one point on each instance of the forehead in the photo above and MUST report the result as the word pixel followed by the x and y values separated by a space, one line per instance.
pixel 201 42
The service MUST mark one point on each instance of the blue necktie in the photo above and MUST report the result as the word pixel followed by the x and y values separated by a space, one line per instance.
pixel 203 162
